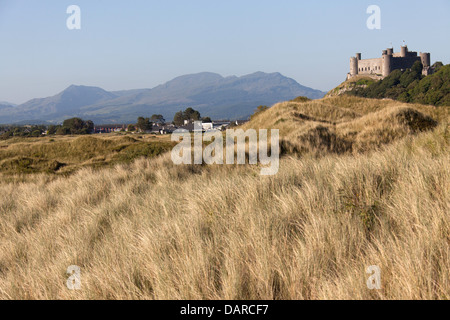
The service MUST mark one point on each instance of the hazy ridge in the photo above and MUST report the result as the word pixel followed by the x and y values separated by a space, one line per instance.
pixel 213 95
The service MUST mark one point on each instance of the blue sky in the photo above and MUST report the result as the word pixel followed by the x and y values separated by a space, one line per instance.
pixel 142 43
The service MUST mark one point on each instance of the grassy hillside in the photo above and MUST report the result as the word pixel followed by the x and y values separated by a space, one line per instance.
pixel 357 82
pixel 66 154
pixel 151 230
pixel 345 124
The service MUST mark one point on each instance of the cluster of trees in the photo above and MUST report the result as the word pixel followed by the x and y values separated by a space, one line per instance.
pixel 21 131
pixel 411 86
pixel 188 115
pixel 145 124
pixel 72 126
pixel 434 89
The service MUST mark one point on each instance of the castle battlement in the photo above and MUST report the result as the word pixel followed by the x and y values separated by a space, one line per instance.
pixel 379 68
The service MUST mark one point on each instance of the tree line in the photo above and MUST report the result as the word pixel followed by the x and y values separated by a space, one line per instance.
pixel 69 126
pixel 146 124
pixel 78 126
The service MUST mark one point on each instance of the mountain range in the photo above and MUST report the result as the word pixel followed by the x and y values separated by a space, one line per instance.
pixel 4 105
pixel 213 95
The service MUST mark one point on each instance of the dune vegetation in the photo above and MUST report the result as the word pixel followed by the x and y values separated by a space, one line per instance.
pixel 361 182
pixel 345 124
pixel 67 154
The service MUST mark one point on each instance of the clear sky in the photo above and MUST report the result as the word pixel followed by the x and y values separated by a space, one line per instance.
pixel 143 43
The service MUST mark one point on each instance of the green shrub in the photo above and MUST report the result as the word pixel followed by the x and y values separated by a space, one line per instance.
pixel 411 86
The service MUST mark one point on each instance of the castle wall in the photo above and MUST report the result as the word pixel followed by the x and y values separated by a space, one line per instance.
pixel 404 63
pixel 370 66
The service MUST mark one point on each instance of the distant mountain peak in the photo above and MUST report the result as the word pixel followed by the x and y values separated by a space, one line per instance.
pixel 264 74
pixel 74 87
pixel 198 77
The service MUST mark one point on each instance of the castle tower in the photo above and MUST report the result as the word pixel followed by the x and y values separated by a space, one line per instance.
pixel 387 62
pixel 353 66
pixel 404 51
pixel 425 59
pixel 358 56
pixel 390 51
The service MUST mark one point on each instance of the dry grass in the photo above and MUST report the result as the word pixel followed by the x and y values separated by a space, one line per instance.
pixel 67 154
pixel 346 124
pixel 153 230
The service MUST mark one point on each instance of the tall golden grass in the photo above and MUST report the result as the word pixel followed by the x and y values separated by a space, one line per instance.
pixel 153 230
pixel 345 124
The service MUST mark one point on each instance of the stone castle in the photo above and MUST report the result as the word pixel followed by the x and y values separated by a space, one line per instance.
pixel 380 68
